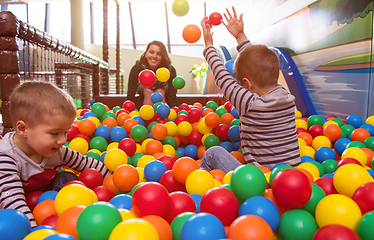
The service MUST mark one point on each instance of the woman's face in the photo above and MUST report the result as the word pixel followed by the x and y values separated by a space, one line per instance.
pixel 154 57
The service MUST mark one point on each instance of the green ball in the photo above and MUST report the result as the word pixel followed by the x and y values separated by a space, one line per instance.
pixel 98 143
pixel 248 181
pixel 347 129
pixel 178 82
pixel 220 111
pixel 317 195
pixel 178 154
pixel 170 140
pixel 134 188
pixel 116 109
pixel 356 144
pixel 180 8
pixel 211 140
pixel 315 120
pixel 155 106
pixel 369 143
pixel 138 133
pixel 97 221
pixel 235 122
pixel 135 158
pixel 343 135
pixel 109 114
pixel 338 121
pixel 320 167
pixel 178 223
pixel 67 144
pixel 79 118
pixel 94 155
pixel 276 170
pixel 330 165
pixel 99 109
pixel 150 125
pixel 297 224
pixel 365 226
pixel 184 112
pixel 227 186
pixel 211 105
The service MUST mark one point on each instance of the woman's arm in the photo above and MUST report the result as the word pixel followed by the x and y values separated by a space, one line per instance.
pixel 172 91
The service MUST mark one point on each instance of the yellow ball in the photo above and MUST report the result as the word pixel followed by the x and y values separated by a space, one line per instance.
pixel 301 123
pixel 267 176
pixel 217 183
pixel 172 114
pixel 311 168
pixel 337 209
pixel 95 150
pixel 204 137
pixel 307 151
pixel 321 141
pixel 144 143
pixel 141 174
pixel 356 153
pixel 302 142
pixel 40 234
pixel 112 145
pixel 79 144
pixel 138 148
pixel 135 228
pixel 72 195
pixel 203 128
pixel 370 120
pixel 349 177
pixel 298 114
pixel 144 160
pixel 162 74
pixel 146 112
pixel 184 128
pixel 96 121
pixel 199 182
pixel 329 122
pixel 78 112
pixel 172 128
pixel 134 114
pixel 168 150
pixel 126 214
pixel 227 178
pixel 115 158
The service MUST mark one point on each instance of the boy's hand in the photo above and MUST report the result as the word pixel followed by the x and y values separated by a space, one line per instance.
pixel 208 36
pixel 234 25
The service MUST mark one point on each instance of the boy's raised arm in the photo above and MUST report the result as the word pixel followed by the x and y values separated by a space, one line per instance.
pixel 235 25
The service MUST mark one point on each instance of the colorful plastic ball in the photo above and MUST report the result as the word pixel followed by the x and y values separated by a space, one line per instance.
pixel 307 151
pixel 291 188
pixel 340 145
pixel 156 97
pixel 129 105
pixel 103 193
pixel 327 185
pixel 103 131
pixel 335 231
pixel 195 138
pixel 161 225
pixel 211 140
pixel 40 234
pixel 215 18
pixel 179 82
pixel 59 236
pixel 163 110
pixel 91 178
pixel 364 227
pixel 324 153
pixel 154 170
pixel 146 112
pixel 48 195
pixel 180 202
pixel 250 227
pixel 364 197
pixel 199 182
pixel 147 78
pixel 128 146
pixel 115 158
pixel 72 195
pixel 191 33
pixel 125 177
pixel 99 109
pixel 297 224
pixel 194 115
pixel 203 226
pixel 356 153
pixel 338 209
pixel 314 119
pixel 97 221
pixel 369 143
pixel 222 131
pixel 184 128
pixel 139 133
pixel 315 130
pixel 183 167
pixel 234 133
pixel 330 165
pixel 191 151
pixel 229 66
pixel 67 221
pixel 135 228
pixel 122 201
pixel 14 225
pixel 79 144
pixel 169 150
pixel 354 120
pixel 98 143
pixel 317 195
pixel 170 183
pixel 180 7
pixel 360 134
pixel 178 223
pixel 203 128
pixel 321 141
pixel 248 181
pixel 159 131
pixel 87 126
pixel 117 134
pixel 72 131
pixel 228 146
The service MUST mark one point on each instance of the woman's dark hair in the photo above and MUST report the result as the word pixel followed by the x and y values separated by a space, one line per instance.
pixel 166 62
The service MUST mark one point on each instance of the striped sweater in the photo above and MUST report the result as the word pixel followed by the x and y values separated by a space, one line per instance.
pixel 267 128
pixel 16 169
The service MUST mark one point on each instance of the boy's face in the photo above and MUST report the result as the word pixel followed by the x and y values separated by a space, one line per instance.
pixel 45 139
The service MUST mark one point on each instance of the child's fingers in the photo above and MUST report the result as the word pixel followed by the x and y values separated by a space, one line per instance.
pixel 228 12
pixel 234 12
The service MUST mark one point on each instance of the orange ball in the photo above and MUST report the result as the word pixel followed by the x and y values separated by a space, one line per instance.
pixel 159 131
pixel 195 127
pixel 206 111
pixel 199 105
pixel 269 195
pixel 191 33
pixel 153 146
pixel 121 118
pixel 177 139
pixel 218 174
pixel 306 137
pixel 201 151
pixel 369 154
pixel 162 227
pixel 332 132
pixel 125 177
pixel 43 210
pixel 264 169
pixel 308 174
pixel 227 118
pixel 128 124
pixel 359 134
pixel 250 227
pixel 110 122
pixel 239 156
pixel 183 167
pixel 108 182
pixel 212 120
pixel 87 126
pixel 67 222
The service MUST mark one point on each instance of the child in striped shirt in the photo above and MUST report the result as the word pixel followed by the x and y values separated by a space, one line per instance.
pixel 266 109
pixel 32 155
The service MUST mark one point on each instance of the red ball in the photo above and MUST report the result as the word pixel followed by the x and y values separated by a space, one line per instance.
pixel 180 118
pixel 74 182
pixel 83 112
pixel 315 130
pixel 292 188
pixel 129 105
pixel 195 138
pixel 147 78
pixel 300 130
pixel 215 18
pixel 335 231
pixel 72 131
pixel 364 197
pixel 194 115
pixel 127 145
pixel 228 106
pixel 103 193
pixel 222 131
pixel 162 120
pixel 32 198
pixel 184 106
pixel 50 221
pixel 327 185
pixel 84 136
pixel 170 183
pixel 222 203
pixel 91 177
pixel 180 202
pixel 151 198
pixel 348 161
pixel 167 160
pixel 122 111
pixel 176 109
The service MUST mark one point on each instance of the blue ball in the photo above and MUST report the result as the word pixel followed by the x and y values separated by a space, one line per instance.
pixel 230 65
pixel 324 153
pixel 328 175
pixel 340 145
pixel 89 114
pixel 154 170
pixel 102 156
pixel 42 227
pixel 262 207
pixel 202 226
pixel 236 146
pixel 59 236
pixel 163 110
pixel 354 120
pixel 122 201
pixel 156 97
pixel 234 112
pixel 103 131
pixel 371 172
pixel 197 199
pixel 117 133
pixel 48 195
pixel 150 135
pixel 14 225
pixel 92 101
pixel 140 120
pixel 191 151
pixel 369 128
pixel 234 133
pixel 306 159
pixel 180 150
pixel 228 146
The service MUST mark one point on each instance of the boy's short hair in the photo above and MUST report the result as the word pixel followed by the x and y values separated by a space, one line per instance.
pixel 258 63
pixel 32 102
